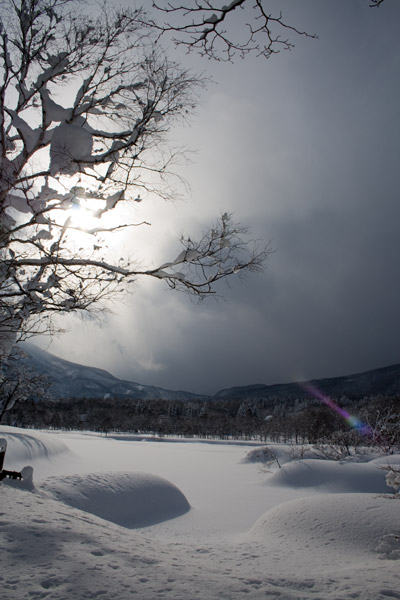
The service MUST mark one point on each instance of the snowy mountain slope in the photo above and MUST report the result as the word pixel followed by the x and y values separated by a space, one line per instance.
pixel 75 380
pixel 72 380
pixel 384 381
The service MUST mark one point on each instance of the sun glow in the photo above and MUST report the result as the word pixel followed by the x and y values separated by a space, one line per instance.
pixel 84 215
pixel 87 224
pixel 90 219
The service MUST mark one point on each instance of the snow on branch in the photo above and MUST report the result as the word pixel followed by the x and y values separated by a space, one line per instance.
pixel 221 251
pixel 209 28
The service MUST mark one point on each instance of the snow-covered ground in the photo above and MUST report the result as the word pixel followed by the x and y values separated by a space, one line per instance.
pixel 129 517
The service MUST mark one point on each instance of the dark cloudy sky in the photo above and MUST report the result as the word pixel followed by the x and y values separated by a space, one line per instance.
pixel 305 150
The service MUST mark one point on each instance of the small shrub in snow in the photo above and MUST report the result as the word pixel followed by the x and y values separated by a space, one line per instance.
pixel 393 479
pixel 266 455
pixel 298 451
pixel 331 451
pixel 340 452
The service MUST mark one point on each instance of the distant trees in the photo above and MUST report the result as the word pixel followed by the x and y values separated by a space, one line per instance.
pixel 86 100
pixel 383 421
pixel 221 419
pixel 209 27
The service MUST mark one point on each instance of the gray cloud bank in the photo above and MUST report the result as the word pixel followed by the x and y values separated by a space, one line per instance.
pixel 304 149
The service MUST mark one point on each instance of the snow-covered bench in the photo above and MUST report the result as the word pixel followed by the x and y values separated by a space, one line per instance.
pixel 3 472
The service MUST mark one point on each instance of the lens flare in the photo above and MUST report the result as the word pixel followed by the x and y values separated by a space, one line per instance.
pixel 353 421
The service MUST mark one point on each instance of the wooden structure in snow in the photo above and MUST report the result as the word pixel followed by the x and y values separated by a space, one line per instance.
pixel 3 472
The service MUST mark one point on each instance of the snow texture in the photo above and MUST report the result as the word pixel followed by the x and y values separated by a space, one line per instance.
pixel 248 533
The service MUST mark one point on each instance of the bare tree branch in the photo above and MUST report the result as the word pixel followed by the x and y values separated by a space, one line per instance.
pixel 376 3
pixel 206 27
pixel 86 101
pixel 209 27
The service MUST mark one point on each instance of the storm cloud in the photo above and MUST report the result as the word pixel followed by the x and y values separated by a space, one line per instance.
pixel 304 149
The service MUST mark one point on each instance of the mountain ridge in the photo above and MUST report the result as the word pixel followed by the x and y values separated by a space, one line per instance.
pixel 381 381
pixel 75 380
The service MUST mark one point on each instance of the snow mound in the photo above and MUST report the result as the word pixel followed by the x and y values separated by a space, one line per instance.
pixel 24 447
pixel 342 524
pixel 391 459
pixel 332 476
pixel 130 500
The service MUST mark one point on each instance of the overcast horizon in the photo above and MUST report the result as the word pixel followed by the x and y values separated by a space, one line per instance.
pixel 304 149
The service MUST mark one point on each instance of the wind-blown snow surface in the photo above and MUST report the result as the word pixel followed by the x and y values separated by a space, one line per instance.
pixel 226 529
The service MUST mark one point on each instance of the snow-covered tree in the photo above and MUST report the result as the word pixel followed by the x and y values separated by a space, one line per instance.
pixel 86 99
pixel 393 478
pixel 19 381
pixel 222 30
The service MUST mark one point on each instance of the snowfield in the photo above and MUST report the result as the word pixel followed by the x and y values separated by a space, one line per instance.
pixel 128 516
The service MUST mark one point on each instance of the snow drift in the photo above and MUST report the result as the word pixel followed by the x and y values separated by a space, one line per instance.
pixel 314 528
pixel 130 500
pixel 24 447
pixel 332 476
pixel 247 536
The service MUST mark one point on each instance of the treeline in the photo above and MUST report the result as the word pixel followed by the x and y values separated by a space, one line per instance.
pixel 373 420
